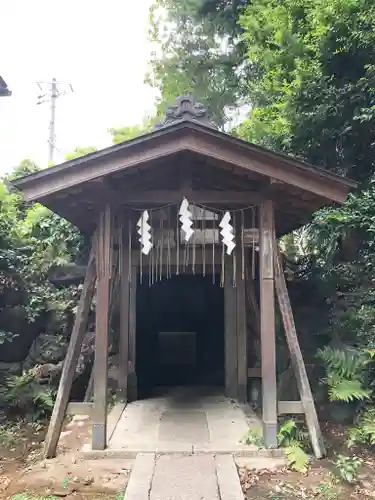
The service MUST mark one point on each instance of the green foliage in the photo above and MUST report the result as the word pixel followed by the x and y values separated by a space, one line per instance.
pixel 291 432
pixel 78 152
pixel 254 437
pixel 348 467
pixel 364 430
pixel 33 240
pixel 131 132
pixel 8 436
pixel 197 50
pixel 346 373
pixel 294 438
pixel 328 490
pixel 7 336
pixel 23 394
pixel 297 458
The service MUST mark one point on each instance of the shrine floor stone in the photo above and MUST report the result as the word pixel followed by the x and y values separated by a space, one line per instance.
pixel 182 420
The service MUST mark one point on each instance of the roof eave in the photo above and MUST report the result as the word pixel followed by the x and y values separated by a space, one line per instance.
pixel 182 124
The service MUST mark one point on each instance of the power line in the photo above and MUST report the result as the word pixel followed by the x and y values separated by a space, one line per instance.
pixel 51 91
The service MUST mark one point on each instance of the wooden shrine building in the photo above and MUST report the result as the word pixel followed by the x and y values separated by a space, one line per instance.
pixel 186 200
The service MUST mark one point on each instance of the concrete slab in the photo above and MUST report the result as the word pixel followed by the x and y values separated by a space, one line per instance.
pixel 183 426
pixel 200 418
pixel 178 477
pixel 184 478
pixel 140 481
pixel 227 478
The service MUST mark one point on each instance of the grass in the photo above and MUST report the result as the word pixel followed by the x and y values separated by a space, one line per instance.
pixel 9 435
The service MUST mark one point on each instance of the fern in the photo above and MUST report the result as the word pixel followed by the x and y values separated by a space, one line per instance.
pixel 295 439
pixel 290 432
pixel 347 391
pixel 24 394
pixel 297 458
pixel 346 373
pixel 45 398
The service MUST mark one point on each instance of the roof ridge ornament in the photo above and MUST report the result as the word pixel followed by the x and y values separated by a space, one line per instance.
pixel 186 109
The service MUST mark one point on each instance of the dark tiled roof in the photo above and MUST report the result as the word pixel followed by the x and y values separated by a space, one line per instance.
pixel 4 91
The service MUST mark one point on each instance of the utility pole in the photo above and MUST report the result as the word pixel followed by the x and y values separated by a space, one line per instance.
pixel 51 91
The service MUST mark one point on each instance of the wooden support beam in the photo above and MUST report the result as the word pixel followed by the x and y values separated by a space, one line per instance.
pixel 104 268
pixel 71 359
pixel 253 305
pixel 254 372
pixel 241 316
pixel 113 301
pixel 267 325
pixel 125 276
pixel 230 333
pixel 90 387
pixel 297 358
pixel 290 408
pixel 196 196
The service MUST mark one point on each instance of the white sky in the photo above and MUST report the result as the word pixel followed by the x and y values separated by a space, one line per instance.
pixel 101 48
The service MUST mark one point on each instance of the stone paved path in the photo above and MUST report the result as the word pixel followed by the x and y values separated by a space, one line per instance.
pixel 174 477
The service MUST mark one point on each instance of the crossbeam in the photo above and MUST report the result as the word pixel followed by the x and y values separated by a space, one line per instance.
pixel 196 196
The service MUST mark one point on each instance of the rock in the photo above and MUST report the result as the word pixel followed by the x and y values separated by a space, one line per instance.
pixel 69 274
pixel 366 484
pixel 47 354
pixel 10 369
pixel 87 352
pixel 14 320
pixel 80 418
pixel 288 390
pixel 46 348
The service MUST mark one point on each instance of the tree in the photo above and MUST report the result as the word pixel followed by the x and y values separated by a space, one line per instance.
pixel 123 134
pixel 312 91
pixel 307 69
pixel 80 151
pixel 198 51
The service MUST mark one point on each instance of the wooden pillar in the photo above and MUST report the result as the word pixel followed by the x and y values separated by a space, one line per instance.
pixel 104 267
pixel 267 324
pixel 132 376
pixel 124 270
pixel 297 359
pixel 71 359
pixel 241 317
pixel 230 331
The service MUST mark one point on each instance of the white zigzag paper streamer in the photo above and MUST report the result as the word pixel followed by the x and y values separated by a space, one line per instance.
pixel 144 233
pixel 185 219
pixel 227 233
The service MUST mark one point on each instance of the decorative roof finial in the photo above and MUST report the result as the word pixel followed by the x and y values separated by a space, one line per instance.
pixel 186 109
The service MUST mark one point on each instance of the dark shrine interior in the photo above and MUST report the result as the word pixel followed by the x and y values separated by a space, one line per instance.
pixel 180 333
